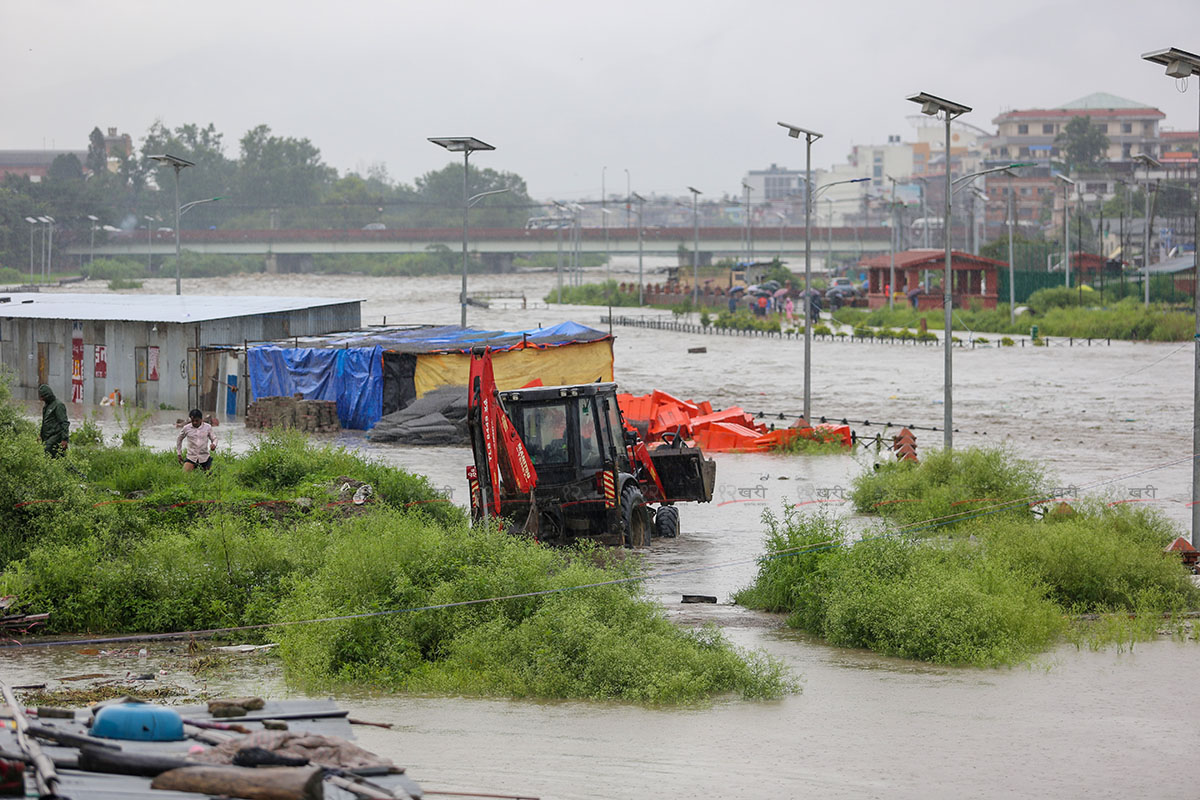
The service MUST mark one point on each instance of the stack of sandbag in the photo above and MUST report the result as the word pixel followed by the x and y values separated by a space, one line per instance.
pixel 440 417
pixel 310 416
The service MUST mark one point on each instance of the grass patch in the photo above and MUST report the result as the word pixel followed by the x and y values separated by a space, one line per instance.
pixel 1057 312
pixel 606 642
pixel 1004 588
pixel 822 442
pixel 607 293
pixel 117 284
pixel 948 485
pixel 901 597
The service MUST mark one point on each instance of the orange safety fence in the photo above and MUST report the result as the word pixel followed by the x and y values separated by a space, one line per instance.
pixel 729 430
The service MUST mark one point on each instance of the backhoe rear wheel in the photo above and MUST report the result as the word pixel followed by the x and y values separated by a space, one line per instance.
pixel 635 517
pixel 666 522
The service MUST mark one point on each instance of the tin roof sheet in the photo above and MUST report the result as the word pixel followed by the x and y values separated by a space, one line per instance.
pixel 151 308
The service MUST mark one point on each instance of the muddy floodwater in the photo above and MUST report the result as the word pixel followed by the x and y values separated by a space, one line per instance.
pixel 1107 421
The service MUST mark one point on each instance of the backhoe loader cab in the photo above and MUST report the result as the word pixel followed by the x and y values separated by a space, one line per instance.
pixel 593 477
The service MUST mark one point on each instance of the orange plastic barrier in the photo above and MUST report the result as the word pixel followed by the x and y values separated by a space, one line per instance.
pixel 728 430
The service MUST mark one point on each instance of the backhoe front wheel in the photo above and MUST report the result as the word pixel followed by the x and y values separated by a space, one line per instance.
pixel 635 517
pixel 666 522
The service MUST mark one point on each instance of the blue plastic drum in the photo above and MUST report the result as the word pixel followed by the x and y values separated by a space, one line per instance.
pixel 138 722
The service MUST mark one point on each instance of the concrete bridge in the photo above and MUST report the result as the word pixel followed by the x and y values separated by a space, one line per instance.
pixel 497 246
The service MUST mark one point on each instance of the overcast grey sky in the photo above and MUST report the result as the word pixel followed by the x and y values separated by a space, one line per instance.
pixel 677 93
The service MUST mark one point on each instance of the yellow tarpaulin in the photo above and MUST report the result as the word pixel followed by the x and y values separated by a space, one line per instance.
pixel 585 362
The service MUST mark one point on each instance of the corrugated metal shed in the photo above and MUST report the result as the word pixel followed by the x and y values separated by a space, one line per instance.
pixel 153 308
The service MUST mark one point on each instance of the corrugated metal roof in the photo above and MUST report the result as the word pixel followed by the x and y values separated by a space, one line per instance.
pixel 151 308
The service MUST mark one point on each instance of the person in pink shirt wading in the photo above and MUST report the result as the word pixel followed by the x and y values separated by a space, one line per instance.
pixel 201 441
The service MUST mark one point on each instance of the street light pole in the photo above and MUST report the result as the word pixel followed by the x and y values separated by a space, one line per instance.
pixel 177 164
pixel 628 194
pixel 604 220
pixel 1181 64
pixel 892 254
pixel 1012 288
pixel 465 145
pixel 924 215
pixel 33 223
pixel 49 247
pixel 794 131
pixel 1148 162
pixel 92 246
pixel 641 280
pixel 932 105
pixel 695 246
pixel 1067 184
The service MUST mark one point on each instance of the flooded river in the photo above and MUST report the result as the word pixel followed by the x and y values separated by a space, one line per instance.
pixel 1103 419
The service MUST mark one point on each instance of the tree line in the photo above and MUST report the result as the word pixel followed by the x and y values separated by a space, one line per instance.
pixel 272 182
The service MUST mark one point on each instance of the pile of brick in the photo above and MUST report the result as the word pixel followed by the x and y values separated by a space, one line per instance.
pixel 309 416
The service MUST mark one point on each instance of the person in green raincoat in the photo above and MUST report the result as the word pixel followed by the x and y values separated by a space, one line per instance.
pixel 55 426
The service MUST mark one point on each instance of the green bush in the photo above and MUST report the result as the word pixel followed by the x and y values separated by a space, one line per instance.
pixel 1043 300
pixel 87 433
pixel 1098 559
pixel 121 283
pixel 113 269
pixel 10 275
pixel 949 484
pixel 995 595
pixel 607 642
pixel 608 293
pixel 213 265
pixel 899 597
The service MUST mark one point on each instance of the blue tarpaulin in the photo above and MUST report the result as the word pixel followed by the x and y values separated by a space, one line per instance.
pixel 454 339
pixel 352 377
pixel 348 367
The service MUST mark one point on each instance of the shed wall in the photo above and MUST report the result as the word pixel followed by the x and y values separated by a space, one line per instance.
pixel 127 348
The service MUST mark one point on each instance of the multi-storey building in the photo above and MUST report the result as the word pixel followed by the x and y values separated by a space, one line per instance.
pixel 1029 134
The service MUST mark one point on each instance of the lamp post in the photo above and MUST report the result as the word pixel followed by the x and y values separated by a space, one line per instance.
pixel 641 201
pixel 749 242
pixel 42 249
pixel 49 246
pixel 465 145
pixel 1012 275
pixel 695 246
pixel 604 221
pixel 628 194
pixel 1067 184
pixel 924 217
pixel 1148 162
pixel 794 131
pixel 33 223
pixel 92 248
pixel 816 196
pixel 178 164
pixel 829 251
pixel 1181 64
pixel 932 105
pixel 892 254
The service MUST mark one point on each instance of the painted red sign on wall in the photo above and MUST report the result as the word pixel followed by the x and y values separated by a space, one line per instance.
pixel 77 362
pixel 152 364
pixel 101 356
